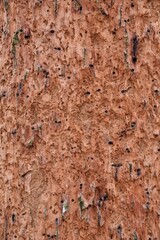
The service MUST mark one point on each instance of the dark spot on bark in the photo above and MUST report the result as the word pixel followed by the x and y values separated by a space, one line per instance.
pixel 13 217
pixel 133 124
pixel 87 93
pixel 138 172
pixel 14 131
pixel 127 150
pixel 134 59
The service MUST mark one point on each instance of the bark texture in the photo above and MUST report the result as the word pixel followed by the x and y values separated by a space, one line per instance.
pixel 79 119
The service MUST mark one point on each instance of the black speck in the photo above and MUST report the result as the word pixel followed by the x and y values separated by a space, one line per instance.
pixel 133 124
pixel 134 59
pixel 56 121
pixel 4 94
pixel 147 193
pixel 103 12
pixel 14 131
pixel 119 229
pixel 57 48
pixel 13 217
pixel 26 36
pixel 56 221
pixel 110 143
pixel 87 93
pixel 138 172
pixel 127 150
pixel 156 91
pixel 105 197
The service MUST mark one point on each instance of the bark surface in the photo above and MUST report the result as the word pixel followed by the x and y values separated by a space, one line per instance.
pixel 79 120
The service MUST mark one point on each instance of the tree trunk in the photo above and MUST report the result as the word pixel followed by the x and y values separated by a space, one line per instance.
pixel 79 92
